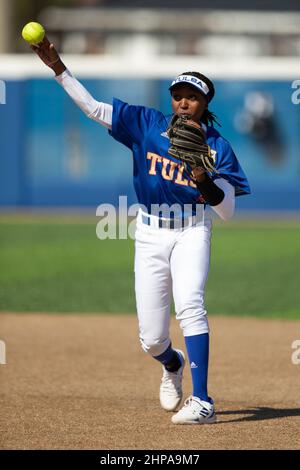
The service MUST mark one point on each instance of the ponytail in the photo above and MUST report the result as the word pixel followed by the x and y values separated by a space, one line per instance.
pixel 209 118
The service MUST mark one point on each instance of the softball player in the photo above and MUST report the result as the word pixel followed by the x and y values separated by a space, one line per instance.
pixel 171 253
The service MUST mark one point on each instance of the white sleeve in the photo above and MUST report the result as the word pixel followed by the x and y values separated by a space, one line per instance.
pixel 226 208
pixel 100 112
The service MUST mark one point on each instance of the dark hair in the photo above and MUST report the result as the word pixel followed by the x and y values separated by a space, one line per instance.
pixel 208 117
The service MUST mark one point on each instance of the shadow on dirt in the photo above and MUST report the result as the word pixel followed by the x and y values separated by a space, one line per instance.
pixel 259 414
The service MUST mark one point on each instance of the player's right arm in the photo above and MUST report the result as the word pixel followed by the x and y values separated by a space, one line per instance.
pixel 96 110
pixel 128 123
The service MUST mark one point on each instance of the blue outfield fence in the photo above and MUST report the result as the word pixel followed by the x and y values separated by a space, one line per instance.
pixel 52 155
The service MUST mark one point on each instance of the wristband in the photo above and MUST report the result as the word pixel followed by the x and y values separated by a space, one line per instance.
pixel 212 194
pixel 53 63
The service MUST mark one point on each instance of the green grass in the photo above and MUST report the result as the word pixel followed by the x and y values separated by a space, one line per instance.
pixel 255 270
pixel 51 266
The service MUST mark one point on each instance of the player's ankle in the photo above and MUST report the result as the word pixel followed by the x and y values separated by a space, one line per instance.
pixel 174 364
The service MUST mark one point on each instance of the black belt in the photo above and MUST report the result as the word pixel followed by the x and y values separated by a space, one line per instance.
pixel 171 224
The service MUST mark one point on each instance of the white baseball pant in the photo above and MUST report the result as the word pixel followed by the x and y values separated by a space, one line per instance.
pixel 166 260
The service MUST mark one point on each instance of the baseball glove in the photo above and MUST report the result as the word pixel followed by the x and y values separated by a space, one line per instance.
pixel 188 145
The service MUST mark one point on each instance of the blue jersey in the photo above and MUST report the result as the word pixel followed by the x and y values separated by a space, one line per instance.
pixel 158 177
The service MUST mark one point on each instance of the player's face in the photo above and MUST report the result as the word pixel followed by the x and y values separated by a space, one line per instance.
pixel 186 100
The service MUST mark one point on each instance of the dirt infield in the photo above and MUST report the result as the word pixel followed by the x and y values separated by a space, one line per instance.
pixel 82 382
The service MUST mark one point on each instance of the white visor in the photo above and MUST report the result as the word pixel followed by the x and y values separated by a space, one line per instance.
pixel 189 79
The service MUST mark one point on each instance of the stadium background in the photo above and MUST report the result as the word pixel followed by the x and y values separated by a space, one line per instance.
pixel 56 167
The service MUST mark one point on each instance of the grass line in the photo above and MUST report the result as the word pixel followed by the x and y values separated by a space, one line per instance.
pixel 60 267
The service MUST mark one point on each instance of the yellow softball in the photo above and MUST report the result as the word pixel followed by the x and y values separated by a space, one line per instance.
pixel 33 33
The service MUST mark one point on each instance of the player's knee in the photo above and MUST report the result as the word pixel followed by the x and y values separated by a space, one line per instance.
pixel 194 323
pixel 154 346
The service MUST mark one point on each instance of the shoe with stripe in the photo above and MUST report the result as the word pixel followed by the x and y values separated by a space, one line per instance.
pixel 195 411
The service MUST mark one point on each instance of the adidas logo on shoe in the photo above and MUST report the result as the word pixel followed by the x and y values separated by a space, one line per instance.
pixel 195 411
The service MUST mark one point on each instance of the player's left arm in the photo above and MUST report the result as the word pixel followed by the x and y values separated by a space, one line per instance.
pixel 230 181
pixel 219 194
pixel 225 209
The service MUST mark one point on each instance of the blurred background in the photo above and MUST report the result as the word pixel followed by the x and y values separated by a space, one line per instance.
pixel 132 49
pixel 53 157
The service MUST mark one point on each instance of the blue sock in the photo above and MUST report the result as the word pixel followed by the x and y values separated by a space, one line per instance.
pixel 169 358
pixel 198 351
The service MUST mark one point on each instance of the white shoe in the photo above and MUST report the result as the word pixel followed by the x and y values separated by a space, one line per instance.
pixel 170 393
pixel 195 411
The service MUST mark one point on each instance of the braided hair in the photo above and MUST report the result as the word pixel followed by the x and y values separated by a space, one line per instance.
pixel 208 117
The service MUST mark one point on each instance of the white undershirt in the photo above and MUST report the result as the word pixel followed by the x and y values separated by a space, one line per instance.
pixel 102 113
